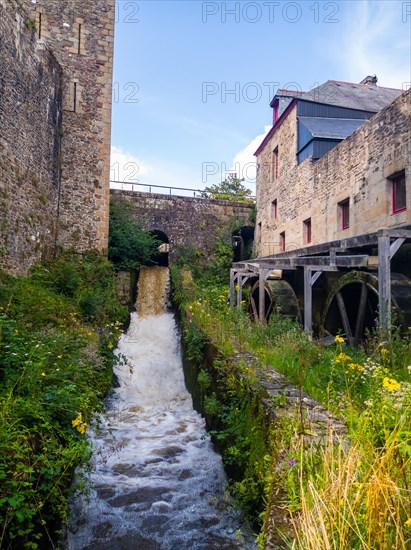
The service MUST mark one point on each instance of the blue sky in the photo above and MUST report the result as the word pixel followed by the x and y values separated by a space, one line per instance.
pixel 193 80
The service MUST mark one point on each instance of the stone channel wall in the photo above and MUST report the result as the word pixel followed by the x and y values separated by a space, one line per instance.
pixel 359 169
pixel 282 403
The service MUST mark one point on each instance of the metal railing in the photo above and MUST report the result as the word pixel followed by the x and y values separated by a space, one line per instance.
pixel 166 190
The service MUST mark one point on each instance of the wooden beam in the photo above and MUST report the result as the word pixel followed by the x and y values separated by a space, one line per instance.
pixel 384 284
pixel 395 233
pixel 344 318
pixel 394 247
pixel 359 326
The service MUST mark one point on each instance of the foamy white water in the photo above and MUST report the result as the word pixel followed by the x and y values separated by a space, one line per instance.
pixel 157 483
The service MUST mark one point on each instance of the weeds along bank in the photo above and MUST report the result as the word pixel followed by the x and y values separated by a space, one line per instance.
pixel 304 481
pixel 58 328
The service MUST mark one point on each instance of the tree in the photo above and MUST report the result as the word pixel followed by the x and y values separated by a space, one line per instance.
pixel 231 189
pixel 129 246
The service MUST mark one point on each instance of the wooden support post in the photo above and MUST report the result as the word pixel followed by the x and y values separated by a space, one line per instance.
pixel 239 290
pixel 309 280
pixel 308 298
pixel 384 284
pixel 232 284
pixel 261 296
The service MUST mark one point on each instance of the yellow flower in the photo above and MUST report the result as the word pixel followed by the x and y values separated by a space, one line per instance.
pixel 59 356
pixel 89 334
pixel 338 339
pixel 78 423
pixel 43 374
pixel 408 523
pixel 391 384
pixel 110 346
pixel 16 331
pixel 384 352
pixel 355 366
pixel 342 357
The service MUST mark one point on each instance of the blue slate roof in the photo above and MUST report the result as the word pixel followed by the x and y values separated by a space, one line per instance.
pixel 346 94
pixel 331 128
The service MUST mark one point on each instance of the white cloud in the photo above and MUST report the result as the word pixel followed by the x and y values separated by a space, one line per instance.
pixel 376 41
pixel 244 162
pixel 126 167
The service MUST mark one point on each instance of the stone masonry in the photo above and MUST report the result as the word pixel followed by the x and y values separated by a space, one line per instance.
pixel 55 112
pixel 358 169
pixel 187 221
pixel 30 135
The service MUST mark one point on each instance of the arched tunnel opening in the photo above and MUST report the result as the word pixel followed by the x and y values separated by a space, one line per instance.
pixel 160 256
pixel 242 240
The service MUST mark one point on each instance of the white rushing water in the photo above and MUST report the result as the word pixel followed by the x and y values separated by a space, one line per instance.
pixel 156 482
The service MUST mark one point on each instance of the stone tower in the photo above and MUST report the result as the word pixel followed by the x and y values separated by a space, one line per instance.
pixel 80 33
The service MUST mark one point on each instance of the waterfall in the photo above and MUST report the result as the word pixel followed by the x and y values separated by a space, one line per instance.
pixel 156 482
pixel 152 295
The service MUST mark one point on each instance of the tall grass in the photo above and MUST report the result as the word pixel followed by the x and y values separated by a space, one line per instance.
pixel 360 498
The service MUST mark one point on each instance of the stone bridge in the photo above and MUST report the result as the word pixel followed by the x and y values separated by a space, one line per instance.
pixel 191 222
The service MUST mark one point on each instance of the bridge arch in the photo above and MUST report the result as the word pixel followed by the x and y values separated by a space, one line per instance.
pixel 160 257
pixel 187 221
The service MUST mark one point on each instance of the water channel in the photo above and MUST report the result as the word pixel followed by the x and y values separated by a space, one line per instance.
pixel 156 482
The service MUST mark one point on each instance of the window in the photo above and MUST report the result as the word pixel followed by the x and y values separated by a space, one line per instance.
pixel 274 209
pixel 275 163
pixel 79 39
pixel 399 202
pixel 282 241
pixel 307 231
pixel 259 231
pixel 344 213
pixel 39 25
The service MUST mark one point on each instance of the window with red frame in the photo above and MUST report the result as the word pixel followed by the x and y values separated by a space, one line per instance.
pixel 275 163
pixel 344 212
pixel 274 209
pixel 282 241
pixel 399 199
pixel 307 231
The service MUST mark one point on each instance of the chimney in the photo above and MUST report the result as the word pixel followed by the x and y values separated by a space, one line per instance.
pixel 369 80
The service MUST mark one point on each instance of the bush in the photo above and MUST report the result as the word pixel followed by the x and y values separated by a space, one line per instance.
pixel 55 367
pixel 129 245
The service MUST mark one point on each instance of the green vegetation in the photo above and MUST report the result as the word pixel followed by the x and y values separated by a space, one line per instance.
pixel 231 189
pixel 58 328
pixel 348 492
pixel 129 245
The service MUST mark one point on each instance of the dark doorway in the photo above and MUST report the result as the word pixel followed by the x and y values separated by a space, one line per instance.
pixel 243 240
pixel 160 257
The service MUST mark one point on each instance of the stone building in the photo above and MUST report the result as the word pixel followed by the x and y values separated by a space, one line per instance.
pixel 56 63
pixel 335 164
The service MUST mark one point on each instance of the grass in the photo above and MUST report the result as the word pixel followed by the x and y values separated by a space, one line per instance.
pixel 351 493
pixel 58 328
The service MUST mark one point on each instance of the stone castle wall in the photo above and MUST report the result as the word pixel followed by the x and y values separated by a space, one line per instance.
pixel 55 112
pixel 186 221
pixel 357 169
pixel 30 132
pixel 81 35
